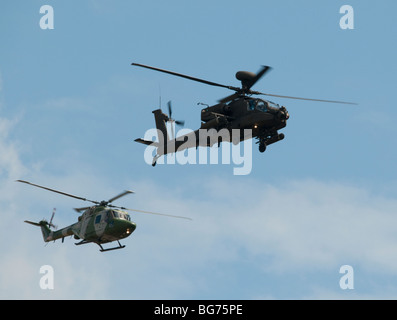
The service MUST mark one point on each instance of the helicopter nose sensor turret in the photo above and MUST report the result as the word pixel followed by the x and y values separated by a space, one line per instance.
pixel 283 113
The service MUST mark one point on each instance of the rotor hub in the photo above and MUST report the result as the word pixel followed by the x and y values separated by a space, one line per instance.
pixel 247 78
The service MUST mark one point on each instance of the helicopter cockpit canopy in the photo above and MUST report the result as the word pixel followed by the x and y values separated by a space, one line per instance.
pixel 273 104
pixel 120 215
pixel 262 105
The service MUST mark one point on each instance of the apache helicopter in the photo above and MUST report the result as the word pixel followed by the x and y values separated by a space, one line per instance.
pixel 101 223
pixel 237 111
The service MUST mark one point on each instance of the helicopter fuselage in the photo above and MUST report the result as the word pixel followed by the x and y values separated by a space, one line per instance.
pixel 236 111
pixel 219 123
pixel 101 223
pixel 245 113
pixel 97 225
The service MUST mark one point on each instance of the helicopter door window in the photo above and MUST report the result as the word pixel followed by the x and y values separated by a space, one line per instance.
pixel 98 219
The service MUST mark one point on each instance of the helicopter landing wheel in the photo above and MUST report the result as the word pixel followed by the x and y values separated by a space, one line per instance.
pixel 262 147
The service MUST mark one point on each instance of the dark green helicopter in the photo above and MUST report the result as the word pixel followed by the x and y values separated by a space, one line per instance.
pixel 101 223
pixel 237 111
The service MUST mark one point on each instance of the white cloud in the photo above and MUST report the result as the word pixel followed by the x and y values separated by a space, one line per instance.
pixel 10 164
pixel 297 227
pixel 300 227
pixel 308 224
pixel 23 251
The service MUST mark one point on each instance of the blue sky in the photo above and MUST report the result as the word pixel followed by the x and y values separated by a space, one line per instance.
pixel 71 105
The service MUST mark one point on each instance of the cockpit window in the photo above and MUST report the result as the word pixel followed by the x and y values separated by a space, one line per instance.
pixel 261 106
pixel 274 105
pixel 257 105
pixel 121 215
pixel 251 105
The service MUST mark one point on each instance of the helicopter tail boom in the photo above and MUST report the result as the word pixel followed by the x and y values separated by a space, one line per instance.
pixel 48 234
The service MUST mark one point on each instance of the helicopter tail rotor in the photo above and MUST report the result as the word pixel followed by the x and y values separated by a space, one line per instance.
pixel 172 121
pixel 44 223
pixel 44 226
pixel 50 224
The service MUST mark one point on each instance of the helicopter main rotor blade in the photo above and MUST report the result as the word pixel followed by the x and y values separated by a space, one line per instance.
pixel 246 83
pixel 229 98
pixel 259 75
pixel 120 195
pixel 60 192
pixel 156 213
pixel 187 77
pixel 299 98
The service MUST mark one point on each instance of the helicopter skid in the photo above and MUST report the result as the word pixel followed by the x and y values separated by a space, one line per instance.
pixel 110 249
pixel 102 249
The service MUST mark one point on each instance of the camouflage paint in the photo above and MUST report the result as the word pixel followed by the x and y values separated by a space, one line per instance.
pixel 97 224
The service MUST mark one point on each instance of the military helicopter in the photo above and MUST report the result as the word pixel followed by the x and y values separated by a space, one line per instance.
pixel 237 111
pixel 101 223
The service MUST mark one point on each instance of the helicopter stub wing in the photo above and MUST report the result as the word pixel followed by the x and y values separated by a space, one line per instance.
pixel 147 142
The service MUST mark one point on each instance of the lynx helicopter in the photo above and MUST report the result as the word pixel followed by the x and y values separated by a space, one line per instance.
pixel 236 111
pixel 101 223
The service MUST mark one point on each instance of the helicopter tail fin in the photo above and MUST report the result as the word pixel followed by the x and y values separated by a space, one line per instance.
pixel 161 119
pixel 45 230
pixel 162 133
